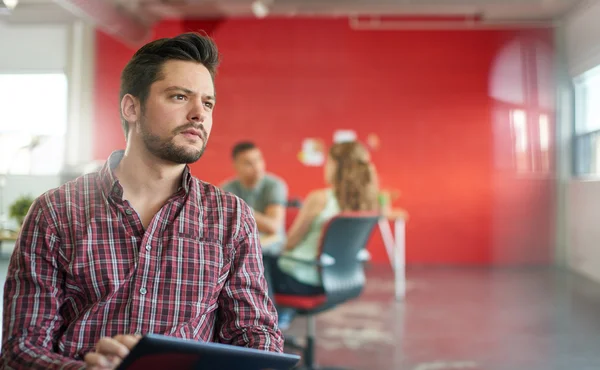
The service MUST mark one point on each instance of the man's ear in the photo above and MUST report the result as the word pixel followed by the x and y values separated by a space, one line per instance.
pixel 131 109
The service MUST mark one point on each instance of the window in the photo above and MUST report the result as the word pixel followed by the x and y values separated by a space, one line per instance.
pixel 33 123
pixel 519 125
pixel 544 134
pixel 587 124
pixel 531 141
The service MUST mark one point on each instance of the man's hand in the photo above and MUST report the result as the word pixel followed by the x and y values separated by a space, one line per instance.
pixel 110 352
pixel 272 220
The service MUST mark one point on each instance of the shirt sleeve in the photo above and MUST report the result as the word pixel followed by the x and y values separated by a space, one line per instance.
pixel 278 193
pixel 247 316
pixel 32 298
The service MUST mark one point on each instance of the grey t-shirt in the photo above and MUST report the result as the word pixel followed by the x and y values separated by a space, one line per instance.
pixel 270 190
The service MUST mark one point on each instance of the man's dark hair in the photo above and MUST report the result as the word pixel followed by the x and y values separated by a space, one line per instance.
pixel 241 147
pixel 145 67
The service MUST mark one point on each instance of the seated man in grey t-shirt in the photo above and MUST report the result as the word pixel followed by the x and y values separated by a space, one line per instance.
pixel 266 194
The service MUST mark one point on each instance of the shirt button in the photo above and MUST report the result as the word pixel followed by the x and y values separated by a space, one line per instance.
pixel 137 332
pixel 143 291
pixel 148 247
pixel 128 211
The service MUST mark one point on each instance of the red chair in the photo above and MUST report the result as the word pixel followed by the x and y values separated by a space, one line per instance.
pixel 342 255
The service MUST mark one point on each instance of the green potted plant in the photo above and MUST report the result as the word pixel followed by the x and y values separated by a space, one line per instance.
pixel 385 197
pixel 19 208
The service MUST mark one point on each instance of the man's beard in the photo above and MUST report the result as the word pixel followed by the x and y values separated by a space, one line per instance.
pixel 167 150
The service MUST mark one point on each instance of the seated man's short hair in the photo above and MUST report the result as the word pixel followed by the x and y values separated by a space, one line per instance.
pixel 241 147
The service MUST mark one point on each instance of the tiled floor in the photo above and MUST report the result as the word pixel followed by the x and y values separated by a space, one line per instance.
pixel 468 318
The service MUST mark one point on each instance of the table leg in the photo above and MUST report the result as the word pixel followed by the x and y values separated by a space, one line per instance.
pixel 399 258
pixel 388 239
pixel 394 246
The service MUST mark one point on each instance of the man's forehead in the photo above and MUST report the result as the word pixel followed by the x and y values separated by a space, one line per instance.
pixel 192 76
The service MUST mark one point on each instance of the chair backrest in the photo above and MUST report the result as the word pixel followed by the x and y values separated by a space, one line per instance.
pixel 342 249
pixel 294 202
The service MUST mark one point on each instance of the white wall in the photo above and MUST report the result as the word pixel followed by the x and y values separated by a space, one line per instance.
pixel 584 227
pixel 564 130
pixel 581 36
pixel 30 48
pixel 582 31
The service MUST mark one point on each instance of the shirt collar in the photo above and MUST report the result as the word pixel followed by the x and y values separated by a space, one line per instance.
pixel 111 186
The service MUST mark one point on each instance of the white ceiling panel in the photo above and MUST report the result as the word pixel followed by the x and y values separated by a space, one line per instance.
pixel 488 9
pixel 134 17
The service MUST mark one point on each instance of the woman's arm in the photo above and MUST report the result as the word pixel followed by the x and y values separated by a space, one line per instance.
pixel 313 205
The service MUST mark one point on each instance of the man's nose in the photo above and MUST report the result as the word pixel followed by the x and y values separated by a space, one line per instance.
pixel 197 113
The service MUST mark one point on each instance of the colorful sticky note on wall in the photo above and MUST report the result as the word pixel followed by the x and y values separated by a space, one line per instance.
pixel 373 141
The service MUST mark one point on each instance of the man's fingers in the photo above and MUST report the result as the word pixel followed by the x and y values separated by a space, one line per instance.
pixel 96 361
pixel 110 352
pixel 128 341
pixel 111 347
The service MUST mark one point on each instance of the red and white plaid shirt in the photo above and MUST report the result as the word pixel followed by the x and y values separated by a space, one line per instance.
pixel 85 268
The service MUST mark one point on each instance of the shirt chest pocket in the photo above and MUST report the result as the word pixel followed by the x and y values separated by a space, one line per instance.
pixel 192 274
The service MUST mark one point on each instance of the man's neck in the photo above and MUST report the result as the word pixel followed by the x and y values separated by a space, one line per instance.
pixel 142 175
pixel 249 184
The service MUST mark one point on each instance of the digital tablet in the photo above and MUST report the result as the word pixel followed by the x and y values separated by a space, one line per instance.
pixel 162 352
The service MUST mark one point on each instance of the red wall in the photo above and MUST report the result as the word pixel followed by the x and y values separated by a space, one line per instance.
pixel 426 94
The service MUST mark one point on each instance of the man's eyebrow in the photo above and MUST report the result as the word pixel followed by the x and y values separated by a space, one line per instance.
pixel 188 91
pixel 179 88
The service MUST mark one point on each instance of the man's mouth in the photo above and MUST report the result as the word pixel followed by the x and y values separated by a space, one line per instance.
pixel 193 133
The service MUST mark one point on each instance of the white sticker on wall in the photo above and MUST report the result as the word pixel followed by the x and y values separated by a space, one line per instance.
pixel 341 136
pixel 312 153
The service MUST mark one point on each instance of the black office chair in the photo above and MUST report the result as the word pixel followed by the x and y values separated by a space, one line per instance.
pixel 342 255
pixel 294 203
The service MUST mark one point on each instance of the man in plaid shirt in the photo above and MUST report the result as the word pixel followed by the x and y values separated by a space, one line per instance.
pixel 141 246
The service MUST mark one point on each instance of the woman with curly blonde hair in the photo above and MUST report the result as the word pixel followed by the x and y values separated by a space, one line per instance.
pixel 352 186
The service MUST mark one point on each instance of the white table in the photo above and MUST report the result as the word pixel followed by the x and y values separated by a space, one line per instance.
pixel 395 246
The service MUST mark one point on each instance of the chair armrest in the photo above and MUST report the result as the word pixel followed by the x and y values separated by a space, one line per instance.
pixel 363 255
pixel 324 261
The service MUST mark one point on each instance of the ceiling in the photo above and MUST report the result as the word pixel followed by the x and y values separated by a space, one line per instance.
pixel 499 10
pixel 489 9
pixel 35 11
pixel 131 19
